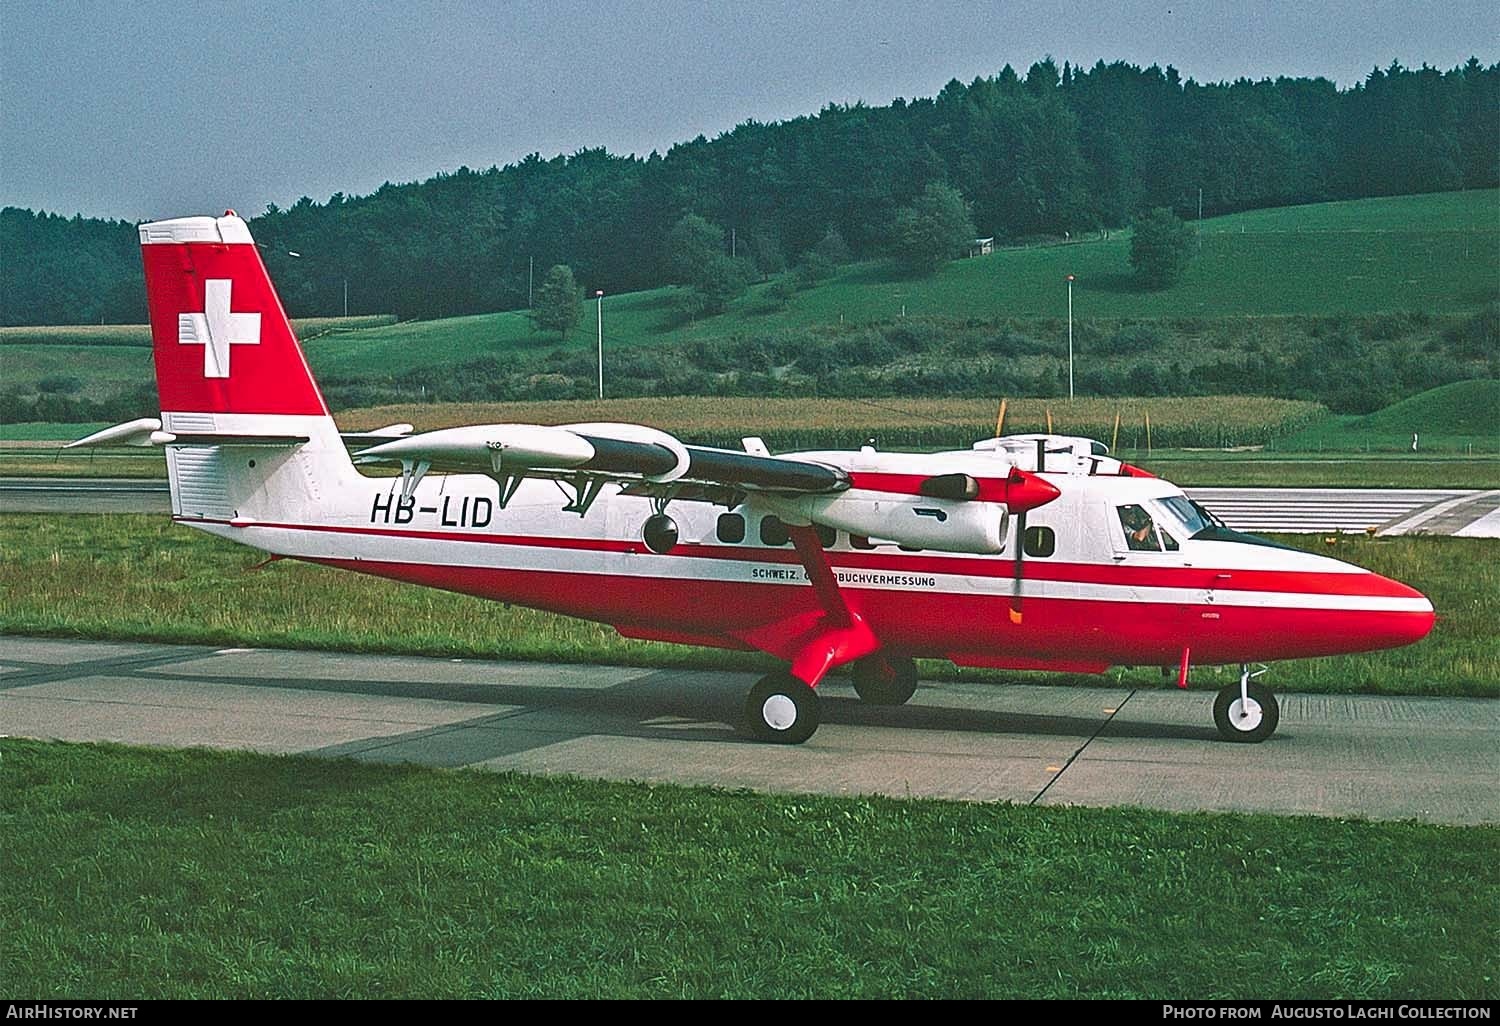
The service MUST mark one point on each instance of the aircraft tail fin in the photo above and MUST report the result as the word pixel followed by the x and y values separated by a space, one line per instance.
pixel 221 339
pixel 247 431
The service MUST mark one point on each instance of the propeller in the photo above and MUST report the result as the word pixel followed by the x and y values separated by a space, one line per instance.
pixel 1015 597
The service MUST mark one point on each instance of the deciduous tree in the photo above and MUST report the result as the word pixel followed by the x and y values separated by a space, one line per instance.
pixel 556 305
pixel 933 230
pixel 1160 248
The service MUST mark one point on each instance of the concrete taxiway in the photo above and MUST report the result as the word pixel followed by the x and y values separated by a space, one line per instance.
pixel 1349 755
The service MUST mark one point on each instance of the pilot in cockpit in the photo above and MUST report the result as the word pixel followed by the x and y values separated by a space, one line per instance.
pixel 1140 530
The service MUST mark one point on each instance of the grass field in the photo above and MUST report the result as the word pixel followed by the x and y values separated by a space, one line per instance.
pixel 156 874
pixel 107 359
pixel 893 423
pixel 65 575
pixel 1303 446
pixel 139 335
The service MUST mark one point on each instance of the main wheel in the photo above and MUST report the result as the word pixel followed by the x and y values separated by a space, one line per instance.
pixel 782 709
pixel 882 679
pixel 1248 722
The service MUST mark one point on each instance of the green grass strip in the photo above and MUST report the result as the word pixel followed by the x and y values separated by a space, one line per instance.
pixel 145 873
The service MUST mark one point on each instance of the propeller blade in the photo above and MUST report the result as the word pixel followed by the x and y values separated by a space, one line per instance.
pixel 1015 598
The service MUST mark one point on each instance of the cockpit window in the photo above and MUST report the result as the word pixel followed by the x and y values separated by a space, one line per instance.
pixel 1140 529
pixel 1189 514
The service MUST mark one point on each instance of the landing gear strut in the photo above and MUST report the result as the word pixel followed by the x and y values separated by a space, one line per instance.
pixel 782 709
pixel 1246 712
pixel 883 679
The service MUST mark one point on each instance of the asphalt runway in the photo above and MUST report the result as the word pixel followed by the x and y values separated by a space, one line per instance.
pixel 83 495
pixel 1363 756
pixel 1464 512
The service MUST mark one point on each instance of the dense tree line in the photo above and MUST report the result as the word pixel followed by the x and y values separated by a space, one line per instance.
pixel 59 270
pixel 1060 150
pixel 1350 363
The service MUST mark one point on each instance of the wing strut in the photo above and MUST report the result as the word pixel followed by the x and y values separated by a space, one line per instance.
pixel 841 636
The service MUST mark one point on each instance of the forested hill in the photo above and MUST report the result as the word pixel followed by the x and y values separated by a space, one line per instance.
pixel 1060 150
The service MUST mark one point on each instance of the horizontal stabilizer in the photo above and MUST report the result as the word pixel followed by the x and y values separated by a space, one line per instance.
pixel 147 431
pixel 220 438
pixel 132 432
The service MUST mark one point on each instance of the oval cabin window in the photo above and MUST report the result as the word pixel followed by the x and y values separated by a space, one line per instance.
pixel 1040 541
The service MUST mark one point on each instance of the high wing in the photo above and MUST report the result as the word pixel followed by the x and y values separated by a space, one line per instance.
pixel 644 460
pixel 954 503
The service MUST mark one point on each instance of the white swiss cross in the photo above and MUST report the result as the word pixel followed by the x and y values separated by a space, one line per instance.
pixel 216 329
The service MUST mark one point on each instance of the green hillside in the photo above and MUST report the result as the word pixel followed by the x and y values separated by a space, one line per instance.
pixel 1461 417
pixel 1438 253
pixel 1462 408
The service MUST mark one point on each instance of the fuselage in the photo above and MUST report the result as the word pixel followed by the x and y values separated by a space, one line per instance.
pixel 1092 595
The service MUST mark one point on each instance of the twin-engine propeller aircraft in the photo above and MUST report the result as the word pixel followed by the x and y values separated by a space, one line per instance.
pixel 1030 552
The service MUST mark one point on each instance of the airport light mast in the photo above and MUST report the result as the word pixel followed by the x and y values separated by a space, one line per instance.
pixel 599 319
pixel 1070 338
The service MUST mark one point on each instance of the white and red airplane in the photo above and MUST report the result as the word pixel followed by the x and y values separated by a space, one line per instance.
pixel 1031 552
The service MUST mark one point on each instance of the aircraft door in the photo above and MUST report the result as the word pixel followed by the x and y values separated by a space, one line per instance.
pixel 1146 553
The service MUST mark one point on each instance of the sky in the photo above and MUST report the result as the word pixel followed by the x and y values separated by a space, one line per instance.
pixel 153 109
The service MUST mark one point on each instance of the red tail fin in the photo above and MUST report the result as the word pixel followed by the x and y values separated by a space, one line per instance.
pixel 220 337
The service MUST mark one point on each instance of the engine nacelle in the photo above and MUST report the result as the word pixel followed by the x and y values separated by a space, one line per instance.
pixel 915 521
pixel 637 436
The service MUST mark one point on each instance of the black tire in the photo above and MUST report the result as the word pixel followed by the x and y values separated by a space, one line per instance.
pixel 781 709
pixel 882 679
pixel 1264 714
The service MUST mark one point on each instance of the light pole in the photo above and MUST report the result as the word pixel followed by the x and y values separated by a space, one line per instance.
pixel 1070 338
pixel 599 319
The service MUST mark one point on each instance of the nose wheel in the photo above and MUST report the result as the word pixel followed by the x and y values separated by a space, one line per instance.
pixel 781 709
pixel 1246 712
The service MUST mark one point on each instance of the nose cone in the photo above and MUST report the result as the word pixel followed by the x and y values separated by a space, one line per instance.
pixel 1026 491
pixel 1409 616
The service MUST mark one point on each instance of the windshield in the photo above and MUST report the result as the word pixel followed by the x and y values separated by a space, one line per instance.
pixel 1189 514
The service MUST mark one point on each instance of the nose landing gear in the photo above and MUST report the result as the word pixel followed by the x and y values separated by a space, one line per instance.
pixel 1246 712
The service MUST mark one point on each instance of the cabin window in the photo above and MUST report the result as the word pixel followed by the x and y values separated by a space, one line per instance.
pixel 827 536
pixel 1140 530
pixel 731 528
pixel 773 532
pixel 859 541
pixel 1040 541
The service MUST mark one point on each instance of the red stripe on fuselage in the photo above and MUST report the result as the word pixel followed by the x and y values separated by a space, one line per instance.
pixel 934 624
pixel 1353 583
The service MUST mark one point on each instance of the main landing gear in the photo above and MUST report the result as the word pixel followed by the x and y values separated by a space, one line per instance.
pixel 1246 712
pixel 782 709
pixel 882 679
